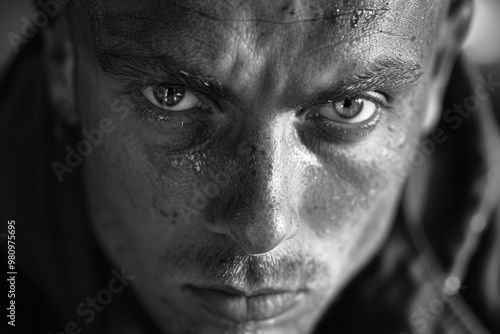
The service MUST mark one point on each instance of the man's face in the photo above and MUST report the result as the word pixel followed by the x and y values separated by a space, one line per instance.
pixel 255 151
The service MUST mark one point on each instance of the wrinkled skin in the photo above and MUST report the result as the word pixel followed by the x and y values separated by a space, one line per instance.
pixel 288 204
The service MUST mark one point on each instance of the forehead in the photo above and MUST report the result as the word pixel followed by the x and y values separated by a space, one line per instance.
pixel 219 38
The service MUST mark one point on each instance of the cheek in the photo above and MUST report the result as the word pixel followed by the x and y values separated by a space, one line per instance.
pixel 339 198
pixel 119 179
pixel 358 187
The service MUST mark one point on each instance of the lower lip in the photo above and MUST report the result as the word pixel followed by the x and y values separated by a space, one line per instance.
pixel 238 308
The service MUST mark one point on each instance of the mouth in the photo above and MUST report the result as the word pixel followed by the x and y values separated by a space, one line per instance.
pixel 230 305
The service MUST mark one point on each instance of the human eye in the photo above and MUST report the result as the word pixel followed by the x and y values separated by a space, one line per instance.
pixel 348 120
pixel 171 106
pixel 177 116
pixel 349 111
pixel 171 98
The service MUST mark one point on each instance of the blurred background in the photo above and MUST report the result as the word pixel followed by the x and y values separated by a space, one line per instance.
pixel 11 12
pixel 482 46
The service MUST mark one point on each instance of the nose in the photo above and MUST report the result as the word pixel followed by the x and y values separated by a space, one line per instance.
pixel 260 212
pixel 264 226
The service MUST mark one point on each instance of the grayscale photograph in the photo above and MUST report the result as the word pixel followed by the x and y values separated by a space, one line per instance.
pixel 250 166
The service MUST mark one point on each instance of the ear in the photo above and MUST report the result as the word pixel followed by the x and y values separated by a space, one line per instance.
pixel 59 57
pixel 450 40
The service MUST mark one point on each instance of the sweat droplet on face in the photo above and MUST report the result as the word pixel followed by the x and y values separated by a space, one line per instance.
pixel 355 19
pixel 401 141
pixel 365 14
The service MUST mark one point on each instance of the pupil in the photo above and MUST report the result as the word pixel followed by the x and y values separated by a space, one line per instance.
pixel 173 96
pixel 348 108
pixel 347 103
pixel 170 96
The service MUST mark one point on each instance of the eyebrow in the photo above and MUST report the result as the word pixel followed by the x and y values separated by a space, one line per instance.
pixel 130 62
pixel 388 74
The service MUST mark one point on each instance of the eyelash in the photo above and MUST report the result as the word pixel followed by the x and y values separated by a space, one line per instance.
pixel 327 130
pixel 337 133
pixel 165 118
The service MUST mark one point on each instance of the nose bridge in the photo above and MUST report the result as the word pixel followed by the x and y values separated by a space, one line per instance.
pixel 271 163
pixel 262 213
pixel 270 216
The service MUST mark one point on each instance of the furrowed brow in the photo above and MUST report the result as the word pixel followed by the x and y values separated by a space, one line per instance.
pixel 391 76
pixel 130 64
pixel 389 73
